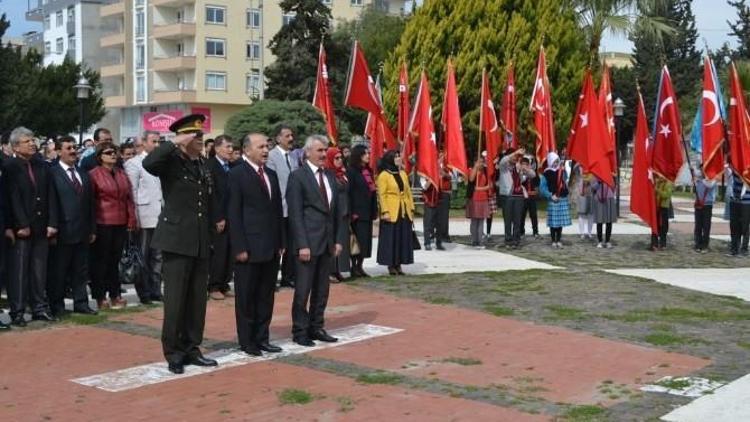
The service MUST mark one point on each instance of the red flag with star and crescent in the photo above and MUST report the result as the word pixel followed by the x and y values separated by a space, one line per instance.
pixel 712 126
pixel 360 87
pixel 489 125
pixel 453 136
pixel 667 152
pixel 541 108
pixel 508 112
pixel 642 195
pixel 404 113
pixel 422 127
pixel 607 107
pixel 378 131
pixel 322 98
pixel 739 128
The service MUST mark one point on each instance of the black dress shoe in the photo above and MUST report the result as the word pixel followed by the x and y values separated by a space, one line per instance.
pixel 251 350
pixel 157 298
pixel 145 300
pixel 304 341
pixel 177 368
pixel 287 283
pixel 19 321
pixel 268 347
pixel 86 311
pixel 201 361
pixel 323 336
pixel 4 326
pixel 44 317
pixel 440 247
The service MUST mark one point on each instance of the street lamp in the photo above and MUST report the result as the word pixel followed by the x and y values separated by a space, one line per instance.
pixel 619 110
pixel 83 89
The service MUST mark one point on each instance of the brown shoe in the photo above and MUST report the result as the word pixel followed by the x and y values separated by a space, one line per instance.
pixel 119 303
pixel 216 295
pixel 102 305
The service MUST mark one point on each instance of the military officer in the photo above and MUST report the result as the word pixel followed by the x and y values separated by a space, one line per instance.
pixel 183 236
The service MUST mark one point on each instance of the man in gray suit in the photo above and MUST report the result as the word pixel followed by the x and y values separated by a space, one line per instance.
pixel 317 223
pixel 148 203
pixel 280 161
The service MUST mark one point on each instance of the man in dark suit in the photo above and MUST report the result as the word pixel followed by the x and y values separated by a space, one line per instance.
pixel 183 236
pixel 219 272
pixel 33 218
pixel 257 239
pixel 317 225
pixel 88 163
pixel 76 230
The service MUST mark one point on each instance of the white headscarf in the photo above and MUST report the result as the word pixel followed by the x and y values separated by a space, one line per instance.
pixel 553 161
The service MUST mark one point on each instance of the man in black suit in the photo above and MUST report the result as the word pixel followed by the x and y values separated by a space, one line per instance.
pixel 219 272
pixel 33 218
pixel 183 236
pixel 88 163
pixel 257 239
pixel 317 225
pixel 76 230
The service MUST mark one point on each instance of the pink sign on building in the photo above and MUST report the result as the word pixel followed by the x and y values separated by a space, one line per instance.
pixel 206 112
pixel 160 120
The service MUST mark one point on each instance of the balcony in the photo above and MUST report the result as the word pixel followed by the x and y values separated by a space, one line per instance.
pixel 115 101
pixel 112 70
pixel 168 97
pixel 112 40
pixel 171 3
pixel 167 64
pixel 35 15
pixel 174 31
pixel 113 9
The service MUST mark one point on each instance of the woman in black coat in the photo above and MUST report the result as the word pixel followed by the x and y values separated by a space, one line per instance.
pixel 363 206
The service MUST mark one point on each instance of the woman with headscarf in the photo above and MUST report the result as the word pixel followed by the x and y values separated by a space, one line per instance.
pixel 604 211
pixel 335 164
pixel 363 205
pixel 396 214
pixel 554 188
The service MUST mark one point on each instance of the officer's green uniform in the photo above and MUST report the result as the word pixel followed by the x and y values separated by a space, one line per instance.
pixel 182 235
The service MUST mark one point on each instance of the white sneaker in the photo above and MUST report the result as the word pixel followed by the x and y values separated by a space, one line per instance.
pixel 608 245
pixel 583 237
pixel 599 245
pixel 559 245
pixel 554 245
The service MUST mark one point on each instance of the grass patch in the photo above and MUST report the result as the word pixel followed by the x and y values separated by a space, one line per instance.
pixel 463 361
pixel 744 344
pixel 666 339
pixel 679 315
pixel 585 413
pixel 439 300
pixel 346 404
pixel 84 319
pixel 674 383
pixel 565 312
pixel 497 310
pixel 294 396
pixel 379 377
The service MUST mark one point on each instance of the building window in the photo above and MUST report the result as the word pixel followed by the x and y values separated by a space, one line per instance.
pixel 140 89
pixel 71 43
pixel 140 56
pixel 253 18
pixel 71 13
pixel 140 23
pixel 356 2
pixel 286 19
pixel 215 14
pixel 59 18
pixel 252 83
pixel 326 1
pixel 215 47
pixel 47 47
pixel 216 81
pixel 59 45
pixel 253 50
pixel 47 21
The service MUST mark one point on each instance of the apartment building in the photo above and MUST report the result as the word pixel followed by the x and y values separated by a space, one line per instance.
pixel 169 58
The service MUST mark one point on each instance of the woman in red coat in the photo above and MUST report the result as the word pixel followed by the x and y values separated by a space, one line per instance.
pixel 115 216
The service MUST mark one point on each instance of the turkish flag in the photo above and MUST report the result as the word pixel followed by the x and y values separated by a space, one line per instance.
pixel 667 152
pixel 360 87
pixel 378 131
pixel 607 107
pixel 453 136
pixel 322 98
pixel 712 126
pixel 739 128
pixel 590 146
pixel 422 127
pixel 403 104
pixel 577 148
pixel 508 115
pixel 489 125
pixel 642 195
pixel 541 108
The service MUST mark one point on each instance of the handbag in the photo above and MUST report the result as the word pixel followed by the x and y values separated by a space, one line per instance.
pixel 415 240
pixel 353 245
pixel 131 263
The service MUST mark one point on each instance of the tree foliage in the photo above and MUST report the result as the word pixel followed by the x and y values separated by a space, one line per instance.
pixel 492 33
pixel 264 115
pixel 740 28
pixel 42 98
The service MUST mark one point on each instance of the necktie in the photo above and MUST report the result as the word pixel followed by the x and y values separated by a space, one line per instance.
pixel 76 184
pixel 322 187
pixel 31 173
pixel 288 164
pixel 263 184
pixel 225 166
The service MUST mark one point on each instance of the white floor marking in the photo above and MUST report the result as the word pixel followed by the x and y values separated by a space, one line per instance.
pixel 693 386
pixel 719 281
pixel 728 403
pixel 154 373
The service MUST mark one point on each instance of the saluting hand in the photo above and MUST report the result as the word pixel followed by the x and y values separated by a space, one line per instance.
pixel 183 139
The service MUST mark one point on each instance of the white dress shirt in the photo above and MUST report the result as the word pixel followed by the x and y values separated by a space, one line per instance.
pixel 314 169
pixel 255 167
pixel 65 168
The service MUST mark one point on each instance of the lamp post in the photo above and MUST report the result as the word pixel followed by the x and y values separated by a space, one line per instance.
pixel 83 89
pixel 619 110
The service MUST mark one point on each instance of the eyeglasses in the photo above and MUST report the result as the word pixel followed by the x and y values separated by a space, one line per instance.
pixel 110 152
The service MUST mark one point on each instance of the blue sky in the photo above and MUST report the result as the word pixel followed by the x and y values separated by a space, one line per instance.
pixel 711 17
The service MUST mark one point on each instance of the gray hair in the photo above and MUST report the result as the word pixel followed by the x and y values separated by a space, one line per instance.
pixel 312 139
pixel 247 139
pixel 18 133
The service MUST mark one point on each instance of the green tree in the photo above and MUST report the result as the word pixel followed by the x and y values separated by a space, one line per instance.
pixel 623 87
pixel 740 28
pixel 264 115
pixel 493 33
pixel 678 51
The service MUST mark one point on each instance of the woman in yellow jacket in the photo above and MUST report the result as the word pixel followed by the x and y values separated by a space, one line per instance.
pixel 396 214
